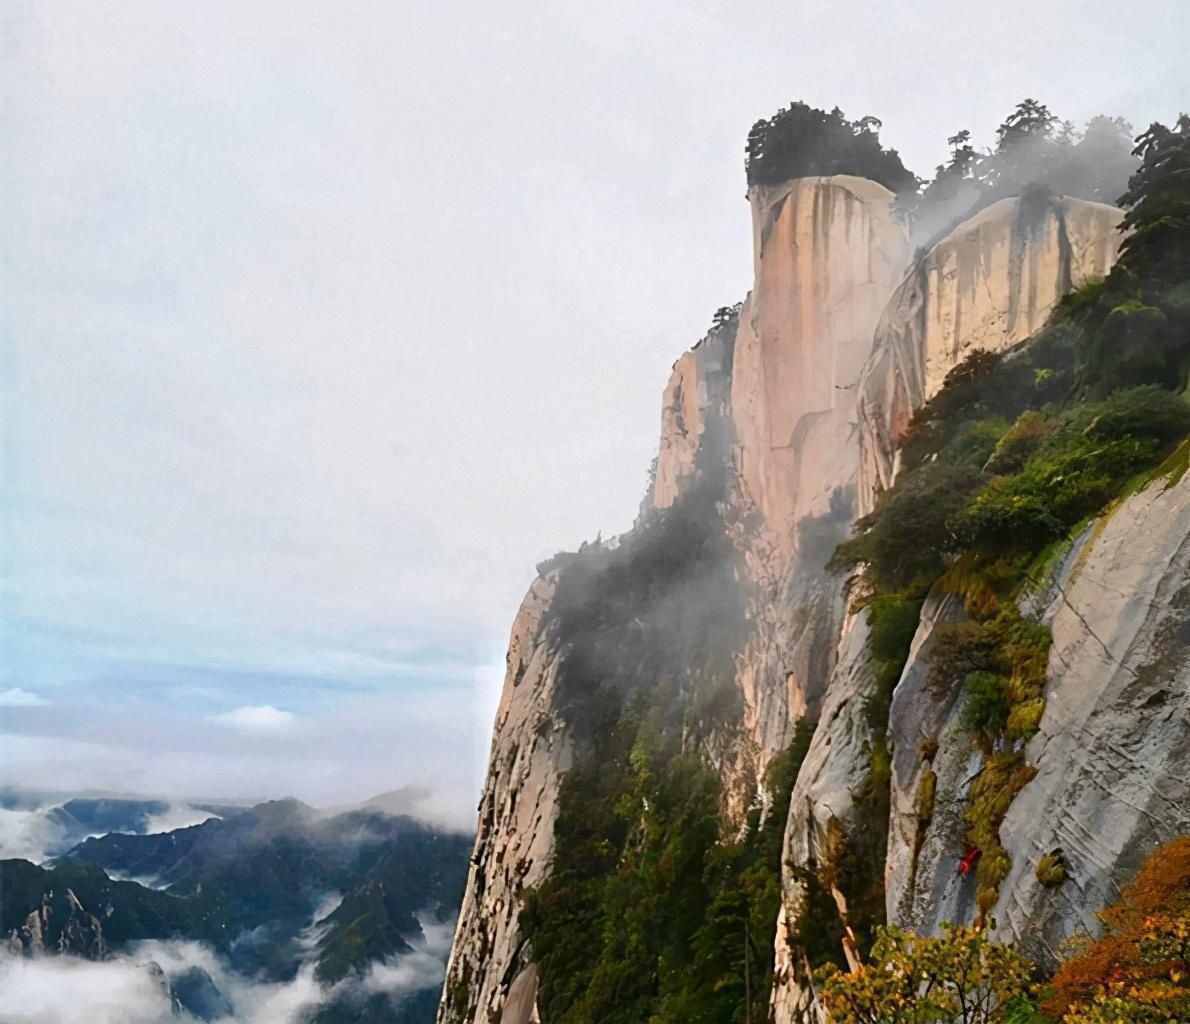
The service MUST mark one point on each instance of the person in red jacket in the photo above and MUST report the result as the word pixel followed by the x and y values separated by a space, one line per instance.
pixel 970 856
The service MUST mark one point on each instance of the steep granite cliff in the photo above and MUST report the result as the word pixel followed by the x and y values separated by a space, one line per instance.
pixel 530 752
pixel 989 284
pixel 836 723
pixel 827 254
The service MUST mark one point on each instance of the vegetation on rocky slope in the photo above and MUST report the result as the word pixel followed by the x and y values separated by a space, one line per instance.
pixel 652 912
pixel 1138 971
pixel 1018 451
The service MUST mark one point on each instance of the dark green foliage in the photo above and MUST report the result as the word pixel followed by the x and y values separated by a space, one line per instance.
pixel 1157 247
pixel 1034 151
pixel 986 710
pixel 135 912
pixel 1138 325
pixel 650 913
pixel 904 542
pixel 801 141
pixel 268 867
pixel 892 620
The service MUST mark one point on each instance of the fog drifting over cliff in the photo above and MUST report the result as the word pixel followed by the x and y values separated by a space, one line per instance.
pixel 327 324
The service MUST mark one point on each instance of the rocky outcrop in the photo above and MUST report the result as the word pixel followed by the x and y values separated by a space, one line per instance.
pixel 921 884
pixel 821 809
pixel 827 255
pixel 530 753
pixel 698 392
pixel 61 924
pixel 1114 742
pixel 808 391
pixel 989 284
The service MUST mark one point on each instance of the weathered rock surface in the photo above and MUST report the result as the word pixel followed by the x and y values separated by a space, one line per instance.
pixel 698 389
pixel 827 255
pixel 823 800
pixel 1113 750
pixel 921 882
pixel 989 284
pixel 837 340
pixel 530 753
pixel 1111 754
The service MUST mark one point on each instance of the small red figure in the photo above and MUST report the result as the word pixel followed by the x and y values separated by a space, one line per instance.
pixel 970 856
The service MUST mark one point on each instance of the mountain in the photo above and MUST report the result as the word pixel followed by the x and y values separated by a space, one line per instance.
pixel 900 635
pixel 268 868
pixel 40 826
pixel 250 887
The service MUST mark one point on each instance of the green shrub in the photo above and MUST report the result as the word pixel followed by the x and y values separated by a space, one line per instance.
pixel 1051 870
pixel 1147 413
pixel 986 710
pixel 1019 441
pixel 892 619
pixel 904 540
pixel 1008 515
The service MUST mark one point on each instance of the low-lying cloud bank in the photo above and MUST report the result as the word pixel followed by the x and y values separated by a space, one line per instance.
pixel 131 988
pixel 39 829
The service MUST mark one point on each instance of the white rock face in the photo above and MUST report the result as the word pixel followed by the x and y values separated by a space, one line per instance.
pixel 530 753
pixel 827 255
pixel 921 882
pixel 1113 751
pixel 697 389
pixel 989 284
pixel 1111 754
pixel 823 797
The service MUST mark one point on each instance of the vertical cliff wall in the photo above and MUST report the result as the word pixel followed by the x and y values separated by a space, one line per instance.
pixel 827 255
pixel 698 392
pixel 530 752
pixel 804 396
pixel 989 284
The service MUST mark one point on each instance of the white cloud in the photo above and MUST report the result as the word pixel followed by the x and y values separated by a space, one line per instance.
pixel 63 990
pixel 261 718
pixel 67 990
pixel 27 834
pixel 15 697
pixel 175 816
pixel 433 740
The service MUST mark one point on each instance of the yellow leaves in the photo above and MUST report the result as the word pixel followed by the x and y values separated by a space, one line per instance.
pixel 961 975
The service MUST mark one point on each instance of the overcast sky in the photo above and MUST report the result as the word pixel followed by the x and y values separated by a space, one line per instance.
pixel 322 323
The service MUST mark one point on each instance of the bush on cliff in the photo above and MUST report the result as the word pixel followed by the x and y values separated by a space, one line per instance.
pixel 801 141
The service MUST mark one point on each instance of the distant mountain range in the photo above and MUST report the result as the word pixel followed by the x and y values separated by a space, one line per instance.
pixel 253 885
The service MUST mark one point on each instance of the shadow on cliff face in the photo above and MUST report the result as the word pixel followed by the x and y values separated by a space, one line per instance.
pixel 818 536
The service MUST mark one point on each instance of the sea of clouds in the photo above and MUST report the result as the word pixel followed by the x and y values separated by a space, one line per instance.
pixel 128 990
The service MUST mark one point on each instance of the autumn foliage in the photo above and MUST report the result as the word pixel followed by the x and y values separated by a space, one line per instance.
pixel 1139 971
pixel 958 977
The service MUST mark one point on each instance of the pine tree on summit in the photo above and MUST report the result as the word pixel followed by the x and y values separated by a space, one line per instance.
pixel 1158 205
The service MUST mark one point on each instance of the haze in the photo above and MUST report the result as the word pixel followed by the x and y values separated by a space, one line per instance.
pixel 323 323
